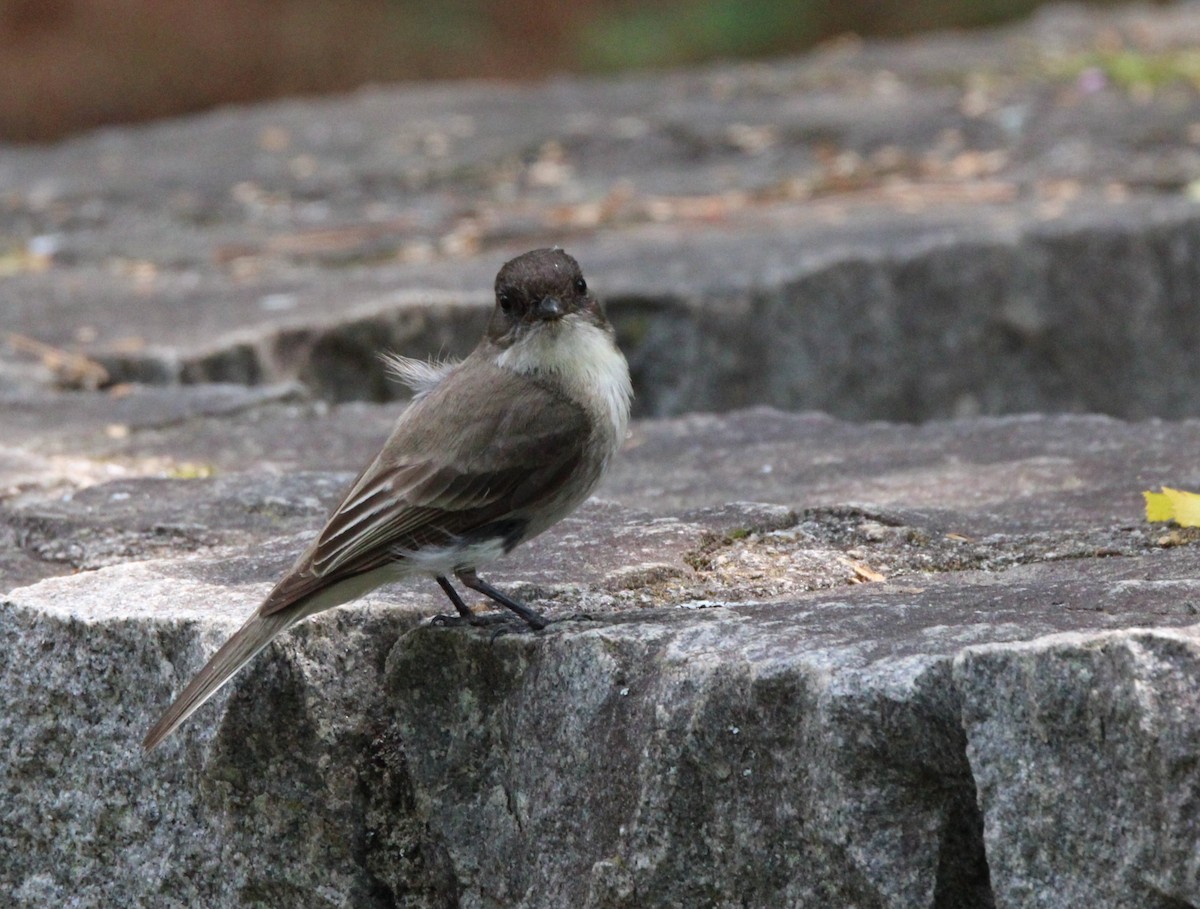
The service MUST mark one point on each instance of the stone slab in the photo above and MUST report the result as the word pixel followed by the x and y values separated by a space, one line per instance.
pixel 971 223
pixel 932 680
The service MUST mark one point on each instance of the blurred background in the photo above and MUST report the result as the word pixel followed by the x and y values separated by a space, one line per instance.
pixel 70 65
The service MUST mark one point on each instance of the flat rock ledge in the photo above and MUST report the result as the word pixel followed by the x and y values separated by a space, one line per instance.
pixel 865 665
pixel 966 223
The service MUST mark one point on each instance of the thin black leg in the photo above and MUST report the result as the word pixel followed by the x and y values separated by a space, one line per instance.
pixel 463 609
pixel 472 580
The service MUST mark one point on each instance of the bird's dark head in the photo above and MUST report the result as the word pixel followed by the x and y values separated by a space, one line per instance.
pixel 541 288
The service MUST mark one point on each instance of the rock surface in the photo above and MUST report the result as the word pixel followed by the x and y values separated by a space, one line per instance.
pixel 944 666
pixel 963 224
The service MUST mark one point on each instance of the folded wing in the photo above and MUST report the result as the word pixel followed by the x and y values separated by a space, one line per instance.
pixel 494 457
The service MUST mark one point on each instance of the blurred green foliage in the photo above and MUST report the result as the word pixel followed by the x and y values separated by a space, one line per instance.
pixel 668 34
pixel 1134 70
pixel 652 33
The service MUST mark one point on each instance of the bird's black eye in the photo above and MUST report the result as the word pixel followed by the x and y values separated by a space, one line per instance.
pixel 581 285
pixel 505 301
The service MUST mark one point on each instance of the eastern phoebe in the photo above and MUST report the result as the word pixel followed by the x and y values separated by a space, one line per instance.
pixel 491 451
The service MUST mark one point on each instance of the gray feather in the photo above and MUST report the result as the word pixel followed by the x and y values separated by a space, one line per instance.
pixel 233 655
pixel 422 376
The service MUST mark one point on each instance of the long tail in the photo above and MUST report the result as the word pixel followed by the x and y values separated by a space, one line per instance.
pixel 233 655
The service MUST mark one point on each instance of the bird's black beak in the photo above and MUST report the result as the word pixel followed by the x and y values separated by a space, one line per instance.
pixel 550 309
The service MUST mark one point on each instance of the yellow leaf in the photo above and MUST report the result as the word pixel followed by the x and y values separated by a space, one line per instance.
pixel 1158 507
pixel 1187 507
pixel 1173 505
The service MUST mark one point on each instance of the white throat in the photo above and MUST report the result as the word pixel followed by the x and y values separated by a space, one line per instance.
pixel 585 359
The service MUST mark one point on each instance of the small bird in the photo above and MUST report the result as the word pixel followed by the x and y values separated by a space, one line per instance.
pixel 491 451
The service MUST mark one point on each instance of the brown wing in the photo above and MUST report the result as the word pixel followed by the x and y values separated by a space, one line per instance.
pixel 483 447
